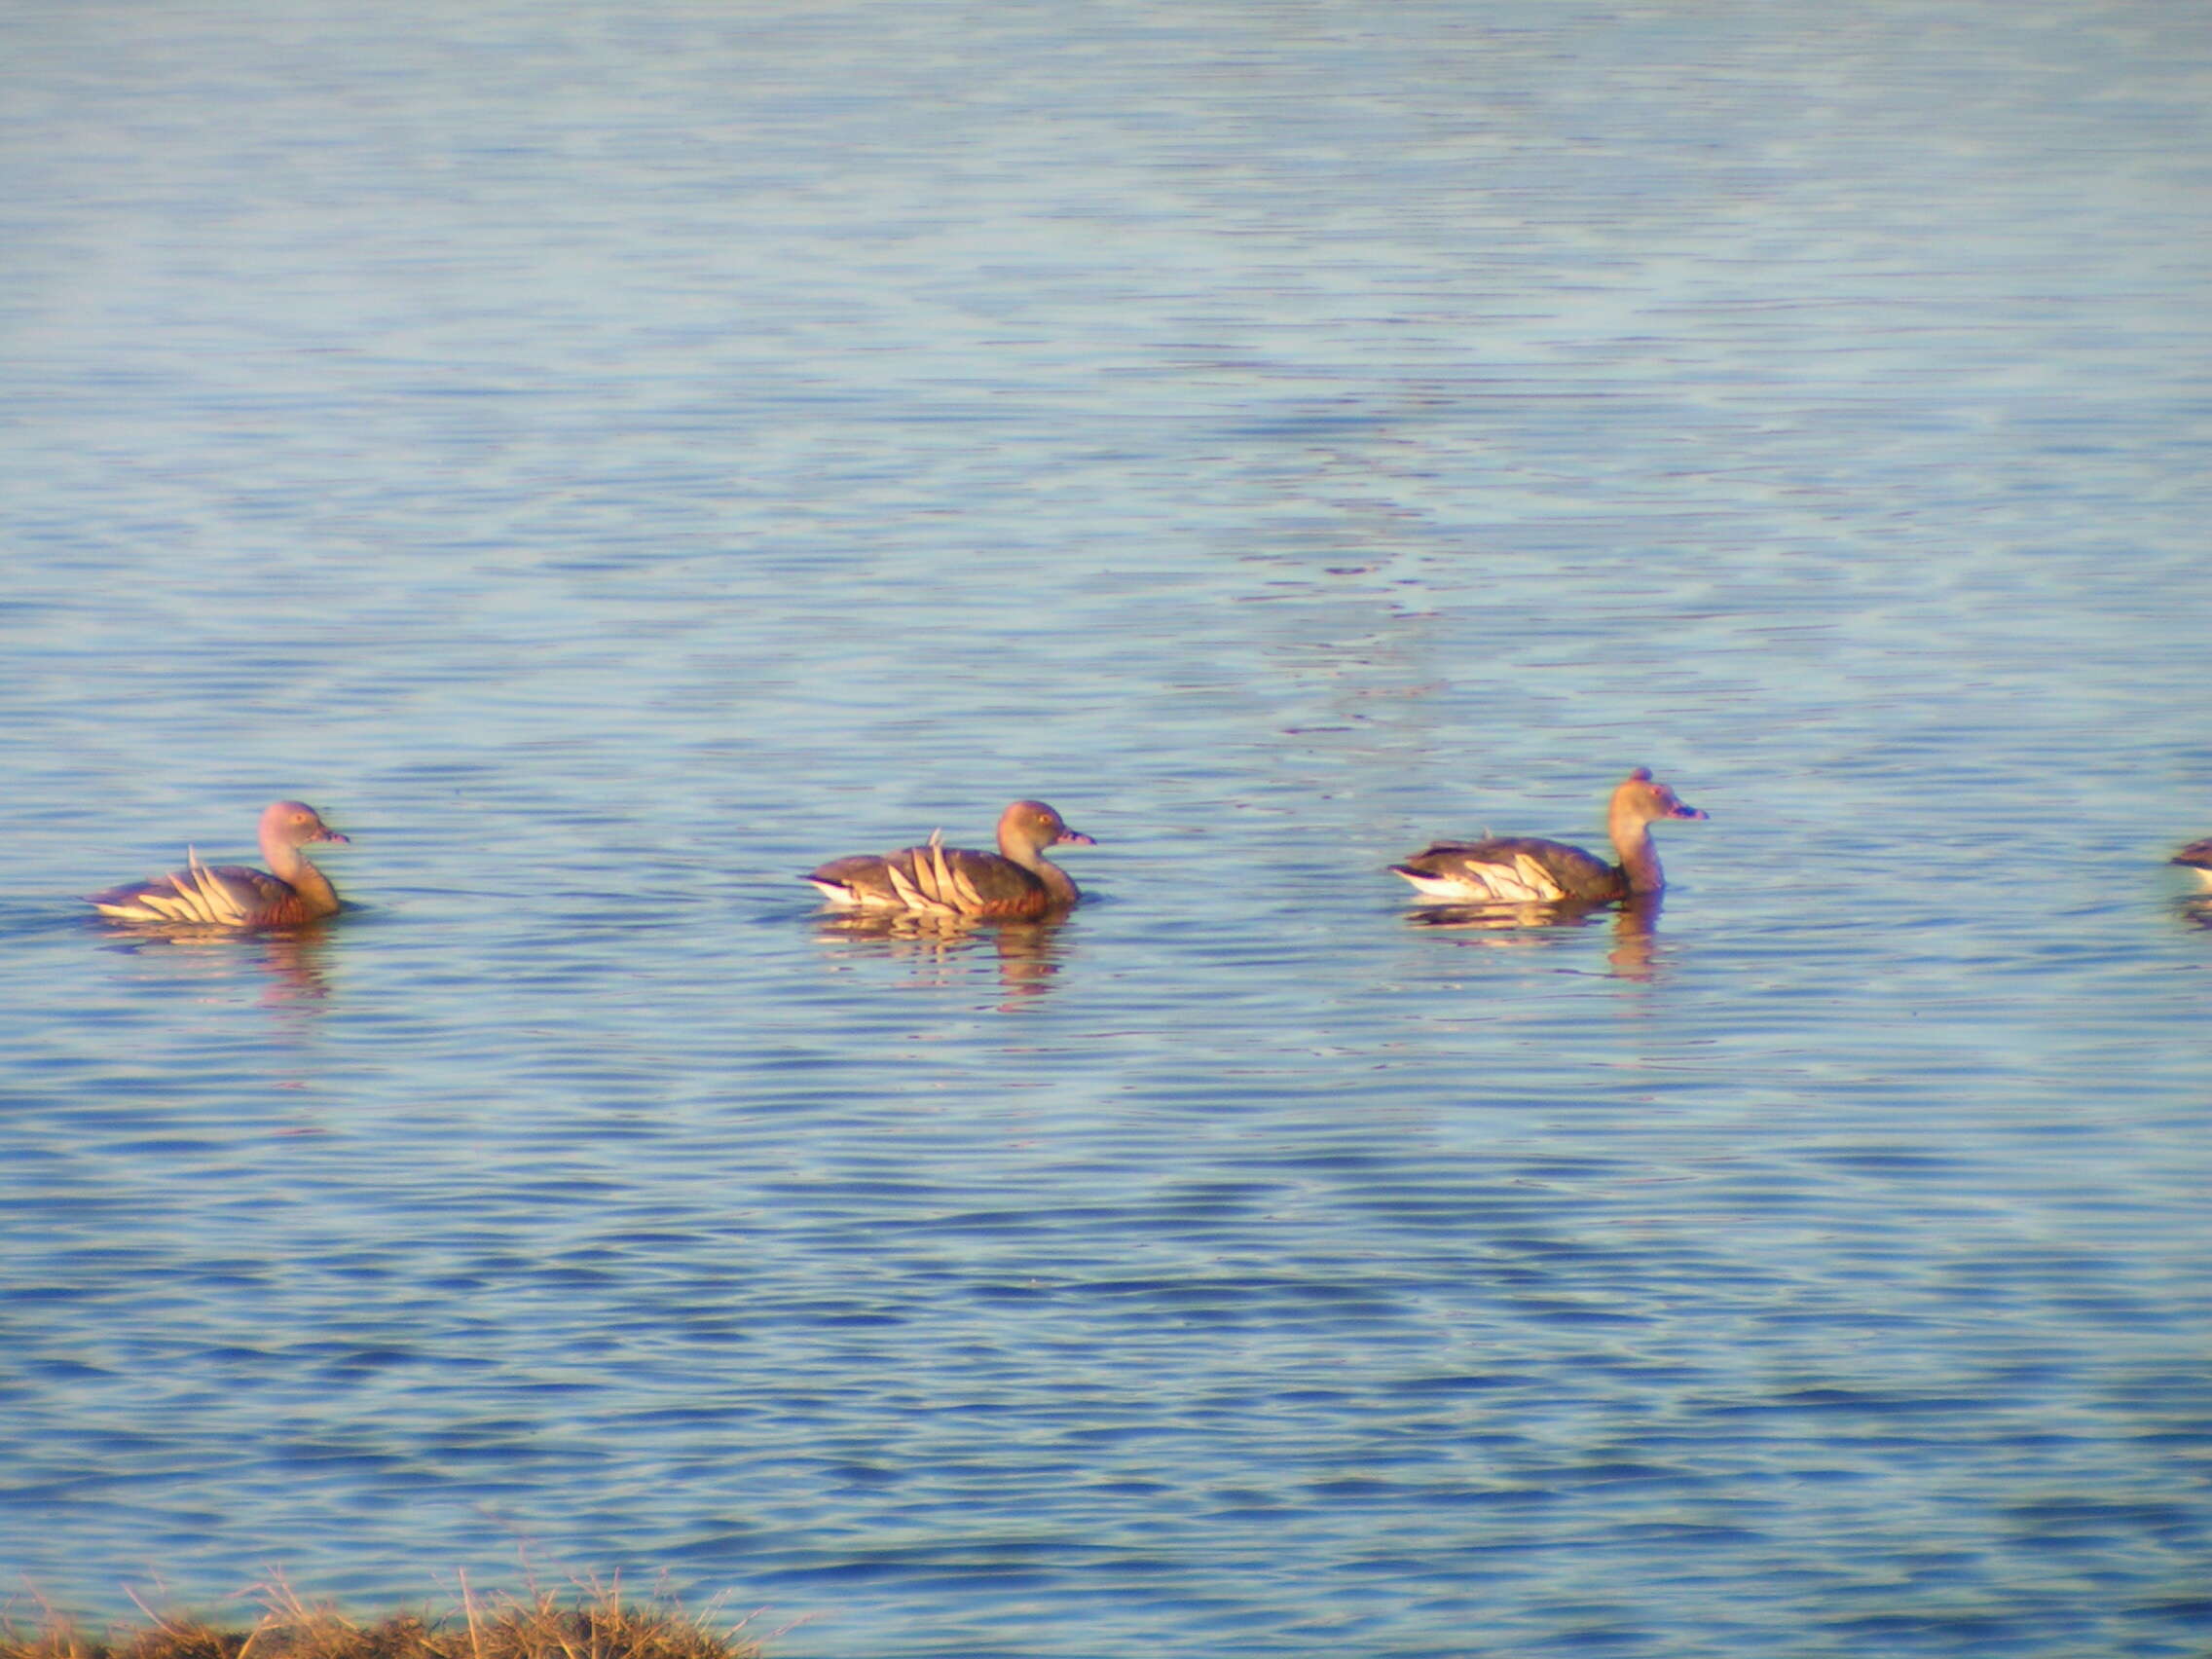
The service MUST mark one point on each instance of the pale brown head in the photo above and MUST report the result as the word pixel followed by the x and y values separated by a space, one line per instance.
pixel 1643 799
pixel 294 824
pixel 1032 825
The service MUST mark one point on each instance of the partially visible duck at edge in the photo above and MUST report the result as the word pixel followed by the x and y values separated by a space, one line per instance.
pixel 1523 869
pixel 1018 882
pixel 234 895
pixel 2197 856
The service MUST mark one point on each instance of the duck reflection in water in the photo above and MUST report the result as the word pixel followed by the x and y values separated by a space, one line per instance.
pixel 1028 953
pixel 295 960
pixel 1636 926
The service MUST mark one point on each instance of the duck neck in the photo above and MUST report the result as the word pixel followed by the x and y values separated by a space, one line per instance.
pixel 1639 856
pixel 290 865
pixel 1057 882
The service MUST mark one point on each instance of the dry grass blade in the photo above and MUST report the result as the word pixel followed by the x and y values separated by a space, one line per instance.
pixel 598 1625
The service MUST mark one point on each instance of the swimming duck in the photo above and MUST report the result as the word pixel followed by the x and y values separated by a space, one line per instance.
pixel 234 895
pixel 2196 856
pixel 1016 882
pixel 1522 870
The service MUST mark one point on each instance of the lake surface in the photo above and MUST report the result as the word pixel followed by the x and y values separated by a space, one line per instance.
pixel 610 459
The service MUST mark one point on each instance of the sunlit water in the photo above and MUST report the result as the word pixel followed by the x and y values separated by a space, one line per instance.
pixel 611 458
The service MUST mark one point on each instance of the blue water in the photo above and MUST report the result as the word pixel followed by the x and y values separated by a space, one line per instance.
pixel 609 460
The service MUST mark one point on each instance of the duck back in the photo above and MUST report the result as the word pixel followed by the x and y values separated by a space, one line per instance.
pixel 1517 870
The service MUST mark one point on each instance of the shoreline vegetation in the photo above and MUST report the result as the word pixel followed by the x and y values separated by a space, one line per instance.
pixel 592 1622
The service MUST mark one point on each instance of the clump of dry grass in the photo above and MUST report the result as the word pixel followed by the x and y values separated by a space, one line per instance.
pixel 595 1623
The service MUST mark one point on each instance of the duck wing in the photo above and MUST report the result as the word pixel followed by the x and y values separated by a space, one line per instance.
pixel 1518 869
pixel 218 896
pixel 934 880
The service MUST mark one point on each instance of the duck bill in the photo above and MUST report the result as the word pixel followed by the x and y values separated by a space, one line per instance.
pixel 1073 838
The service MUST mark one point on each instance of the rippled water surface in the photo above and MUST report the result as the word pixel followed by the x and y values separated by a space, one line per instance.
pixel 609 458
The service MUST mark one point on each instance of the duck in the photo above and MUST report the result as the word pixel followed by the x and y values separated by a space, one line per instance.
pixel 1525 870
pixel 2197 856
pixel 235 896
pixel 1018 882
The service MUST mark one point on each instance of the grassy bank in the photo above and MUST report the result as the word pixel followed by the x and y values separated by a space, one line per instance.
pixel 595 1623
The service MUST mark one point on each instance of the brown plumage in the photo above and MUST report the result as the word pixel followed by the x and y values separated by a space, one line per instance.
pixel 1525 870
pixel 234 895
pixel 1016 882
pixel 2196 856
